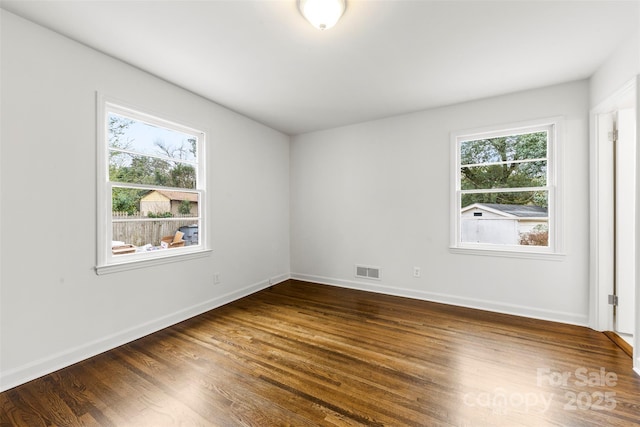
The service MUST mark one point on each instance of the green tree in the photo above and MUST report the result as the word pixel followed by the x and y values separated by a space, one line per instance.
pixel 179 174
pixel 185 207
pixel 122 199
pixel 183 176
pixel 497 163
pixel 126 200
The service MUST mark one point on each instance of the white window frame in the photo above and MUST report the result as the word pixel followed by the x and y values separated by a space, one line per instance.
pixel 554 251
pixel 106 261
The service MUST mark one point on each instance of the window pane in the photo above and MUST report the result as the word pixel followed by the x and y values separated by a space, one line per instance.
pixel 508 175
pixel 153 216
pixel 503 149
pixel 133 135
pixel 508 218
pixel 137 169
pixel 133 235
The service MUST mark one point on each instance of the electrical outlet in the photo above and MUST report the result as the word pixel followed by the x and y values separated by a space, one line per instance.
pixel 216 278
pixel 416 272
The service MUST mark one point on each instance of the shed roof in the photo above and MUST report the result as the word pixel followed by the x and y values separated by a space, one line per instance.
pixel 178 195
pixel 521 211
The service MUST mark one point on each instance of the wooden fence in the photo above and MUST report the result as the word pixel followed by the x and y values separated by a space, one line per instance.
pixel 140 230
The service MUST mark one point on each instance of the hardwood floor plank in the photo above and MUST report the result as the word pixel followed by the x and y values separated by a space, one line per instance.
pixel 235 385
pixel 303 354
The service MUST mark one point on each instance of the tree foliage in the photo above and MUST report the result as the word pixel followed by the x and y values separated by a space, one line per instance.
pixel 505 163
pixel 118 126
pixel 184 208
pixel 539 236
pixel 160 215
pixel 126 199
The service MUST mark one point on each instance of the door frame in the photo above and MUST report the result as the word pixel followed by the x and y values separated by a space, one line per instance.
pixel 601 264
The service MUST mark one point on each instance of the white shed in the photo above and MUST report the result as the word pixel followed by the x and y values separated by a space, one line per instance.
pixel 500 223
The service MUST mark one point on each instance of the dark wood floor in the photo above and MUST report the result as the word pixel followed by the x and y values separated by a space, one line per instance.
pixel 302 354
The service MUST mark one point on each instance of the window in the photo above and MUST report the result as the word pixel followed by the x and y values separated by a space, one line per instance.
pixel 505 189
pixel 151 189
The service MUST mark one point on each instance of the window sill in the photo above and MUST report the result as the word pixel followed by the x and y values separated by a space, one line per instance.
pixel 150 262
pixel 550 256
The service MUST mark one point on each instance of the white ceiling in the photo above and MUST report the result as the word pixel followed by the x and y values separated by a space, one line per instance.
pixel 385 57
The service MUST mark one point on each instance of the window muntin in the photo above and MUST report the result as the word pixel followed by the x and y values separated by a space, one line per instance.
pixel 505 189
pixel 152 185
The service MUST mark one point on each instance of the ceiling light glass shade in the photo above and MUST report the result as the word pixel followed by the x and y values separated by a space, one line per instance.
pixel 322 14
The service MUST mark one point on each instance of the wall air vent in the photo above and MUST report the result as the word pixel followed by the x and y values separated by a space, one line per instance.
pixel 367 272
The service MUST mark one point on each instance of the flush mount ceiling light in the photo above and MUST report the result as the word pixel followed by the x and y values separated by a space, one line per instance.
pixel 322 14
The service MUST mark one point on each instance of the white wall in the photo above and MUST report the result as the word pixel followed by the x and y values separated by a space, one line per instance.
pixel 621 67
pixel 54 309
pixel 377 194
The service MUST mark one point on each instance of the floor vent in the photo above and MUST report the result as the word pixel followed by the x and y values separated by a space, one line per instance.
pixel 366 272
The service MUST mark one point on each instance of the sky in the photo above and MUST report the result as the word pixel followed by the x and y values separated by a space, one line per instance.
pixel 143 137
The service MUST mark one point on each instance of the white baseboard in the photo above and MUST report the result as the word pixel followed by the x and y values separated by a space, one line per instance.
pixel 280 278
pixel 517 310
pixel 47 365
